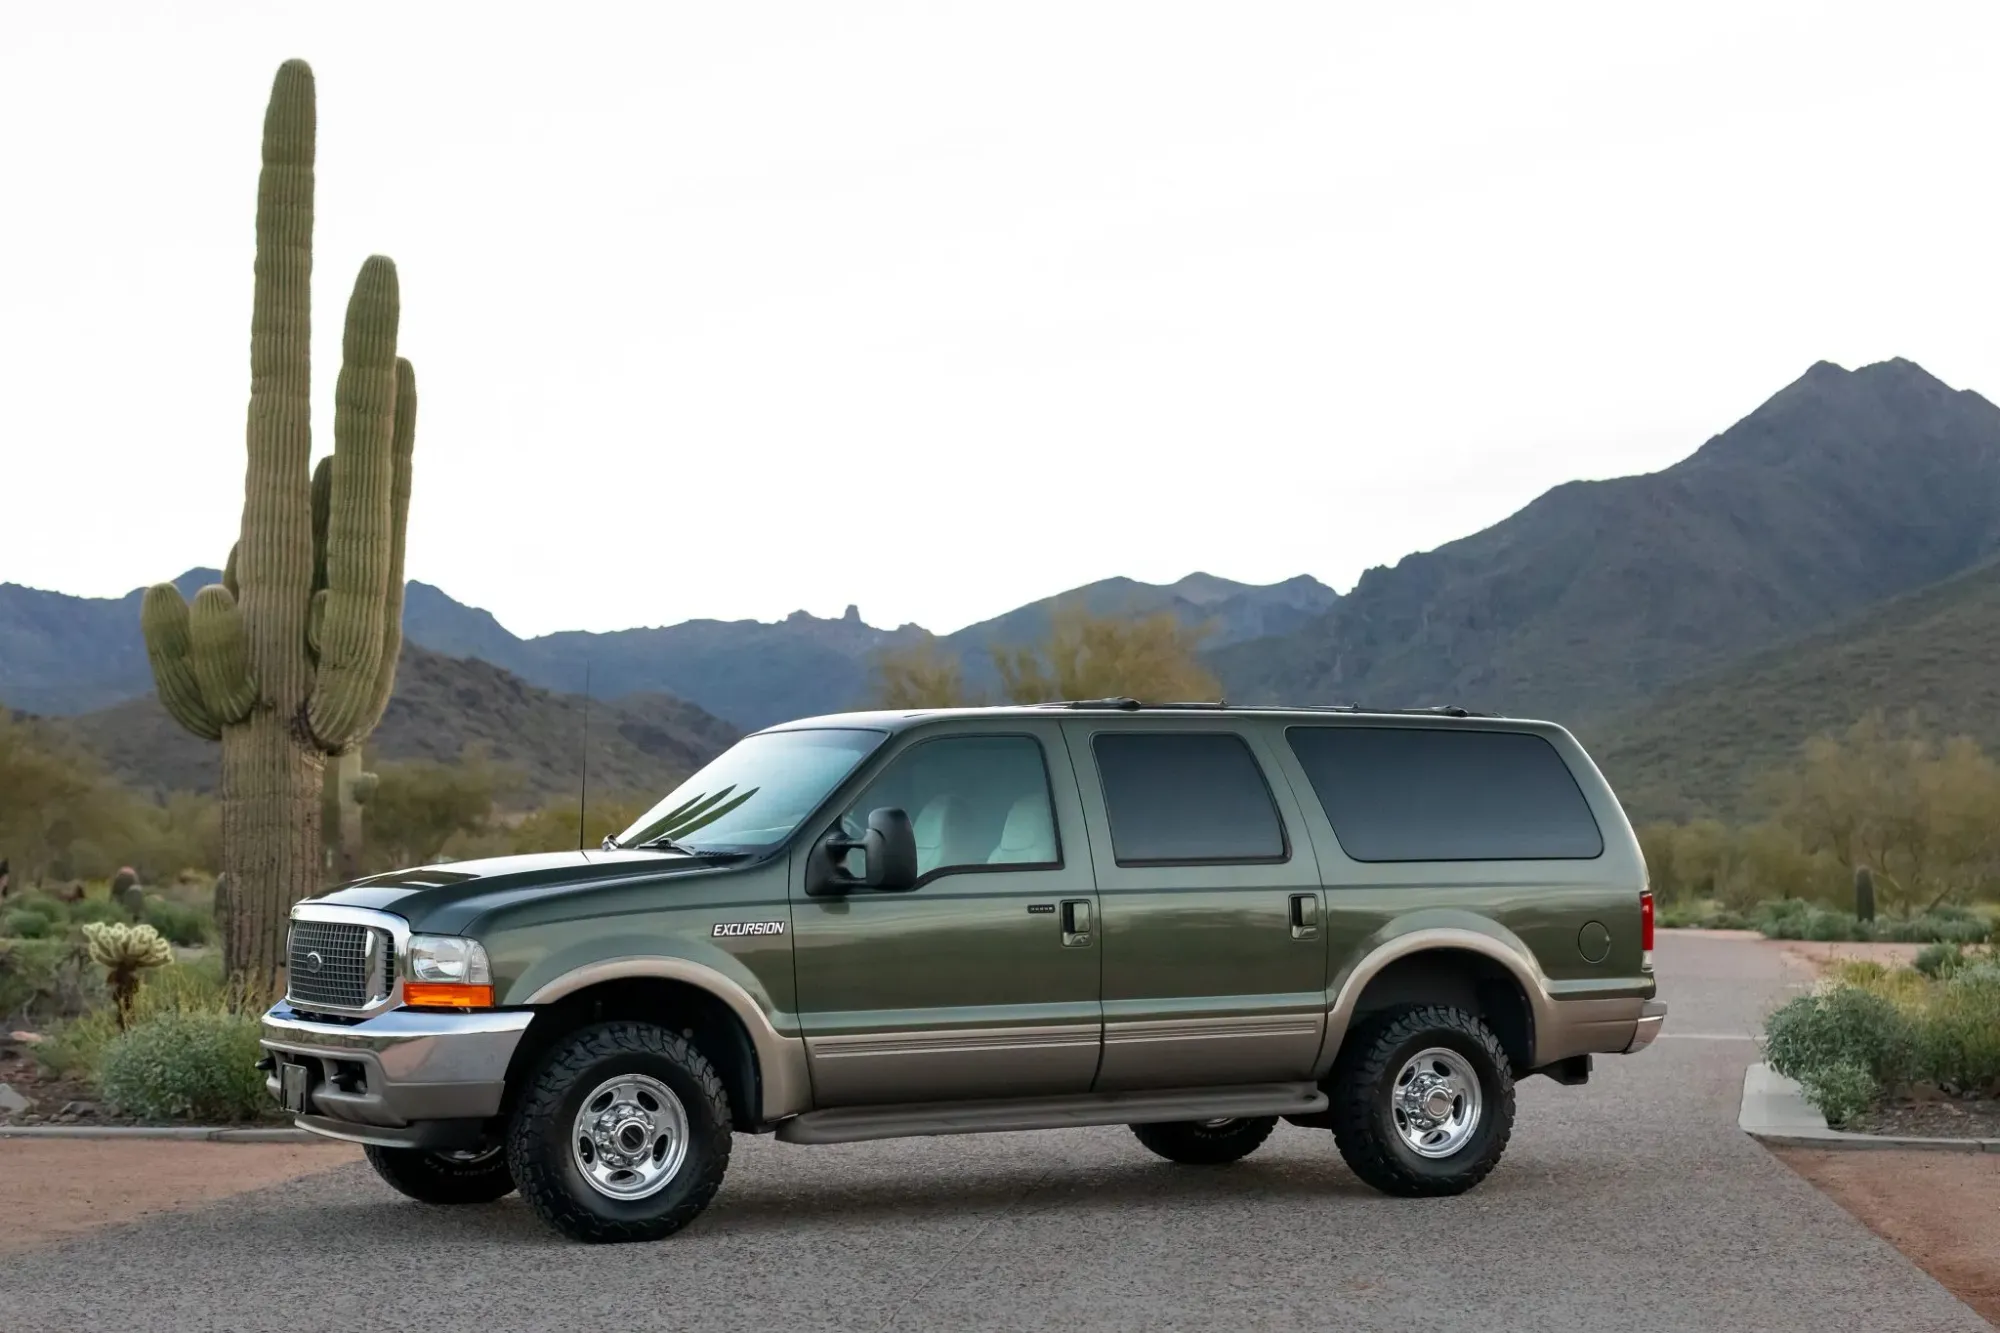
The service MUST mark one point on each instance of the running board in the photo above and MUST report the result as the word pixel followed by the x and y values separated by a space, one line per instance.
pixel 857 1123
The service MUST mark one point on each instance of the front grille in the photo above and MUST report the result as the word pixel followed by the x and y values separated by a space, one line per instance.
pixel 338 965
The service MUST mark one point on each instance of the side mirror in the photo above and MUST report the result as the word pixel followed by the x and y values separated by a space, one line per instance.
pixel 888 850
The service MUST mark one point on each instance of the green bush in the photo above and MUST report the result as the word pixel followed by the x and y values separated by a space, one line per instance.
pixel 1957 1034
pixel 45 978
pixel 1793 919
pixel 1841 1091
pixel 1844 1025
pixel 182 925
pixel 75 1048
pixel 186 1066
pixel 95 909
pixel 21 924
pixel 1939 960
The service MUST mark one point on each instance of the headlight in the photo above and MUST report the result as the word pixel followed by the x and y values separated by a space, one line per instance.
pixel 448 959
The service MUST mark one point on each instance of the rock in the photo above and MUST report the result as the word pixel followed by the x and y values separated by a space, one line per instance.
pixel 79 1109
pixel 28 1038
pixel 12 1102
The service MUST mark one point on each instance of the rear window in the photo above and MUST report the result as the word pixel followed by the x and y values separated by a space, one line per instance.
pixel 1186 798
pixel 1414 794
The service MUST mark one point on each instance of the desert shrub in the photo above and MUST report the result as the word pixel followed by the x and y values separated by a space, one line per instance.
pixel 182 925
pixel 1957 1034
pixel 24 925
pixel 95 910
pixel 1841 1091
pixel 44 978
pixel 75 1047
pixel 1842 1024
pixel 1939 960
pixel 185 1065
pixel 1701 914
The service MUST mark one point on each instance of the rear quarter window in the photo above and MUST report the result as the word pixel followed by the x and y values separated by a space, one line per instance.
pixel 1431 794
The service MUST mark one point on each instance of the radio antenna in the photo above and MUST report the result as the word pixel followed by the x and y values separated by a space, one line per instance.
pixel 583 787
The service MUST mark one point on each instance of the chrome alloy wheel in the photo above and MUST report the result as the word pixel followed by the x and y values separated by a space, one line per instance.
pixel 630 1137
pixel 1436 1102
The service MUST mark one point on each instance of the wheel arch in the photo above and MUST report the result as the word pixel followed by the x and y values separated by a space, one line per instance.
pixel 763 1070
pixel 1464 967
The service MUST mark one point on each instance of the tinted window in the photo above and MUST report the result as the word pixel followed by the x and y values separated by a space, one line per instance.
pixel 975 801
pixel 1436 795
pixel 1186 797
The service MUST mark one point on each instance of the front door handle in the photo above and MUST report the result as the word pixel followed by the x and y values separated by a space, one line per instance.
pixel 1076 923
pixel 1305 916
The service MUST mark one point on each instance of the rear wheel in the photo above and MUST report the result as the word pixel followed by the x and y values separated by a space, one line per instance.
pixel 1423 1101
pixel 479 1176
pixel 623 1134
pixel 1206 1142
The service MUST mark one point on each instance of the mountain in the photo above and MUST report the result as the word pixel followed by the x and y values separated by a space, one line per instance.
pixel 639 744
pixel 1233 612
pixel 1845 488
pixel 61 654
pixel 1701 745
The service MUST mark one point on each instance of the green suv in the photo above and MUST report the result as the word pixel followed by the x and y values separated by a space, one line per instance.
pixel 1191 920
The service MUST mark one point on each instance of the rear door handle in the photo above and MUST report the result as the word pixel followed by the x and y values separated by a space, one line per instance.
pixel 1305 916
pixel 1076 923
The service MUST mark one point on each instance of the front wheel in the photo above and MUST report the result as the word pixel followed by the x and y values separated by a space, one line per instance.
pixel 1423 1101
pixel 623 1134
pixel 479 1176
pixel 1206 1142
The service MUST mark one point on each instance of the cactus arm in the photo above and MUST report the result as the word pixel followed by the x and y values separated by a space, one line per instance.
pixel 322 504
pixel 275 559
pixel 221 663
pixel 229 573
pixel 402 449
pixel 358 525
pixel 163 620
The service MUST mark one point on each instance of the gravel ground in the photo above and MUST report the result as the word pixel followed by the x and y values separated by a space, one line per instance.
pixel 1633 1203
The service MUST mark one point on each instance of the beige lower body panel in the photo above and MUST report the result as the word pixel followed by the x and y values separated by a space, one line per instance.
pixel 876 1068
pixel 1584 1027
pixel 1193 1052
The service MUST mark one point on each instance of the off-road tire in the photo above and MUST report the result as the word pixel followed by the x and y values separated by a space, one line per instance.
pixel 1363 1118
pixel 1195 1143
pixel 432 1177
pixel 539 1152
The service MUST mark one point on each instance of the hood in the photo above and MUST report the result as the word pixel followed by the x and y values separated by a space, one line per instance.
pixel 446 897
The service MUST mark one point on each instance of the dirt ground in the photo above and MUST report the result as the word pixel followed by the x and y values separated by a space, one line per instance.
pixel 1936 1207
pixel 1817 955
pixel 54 1188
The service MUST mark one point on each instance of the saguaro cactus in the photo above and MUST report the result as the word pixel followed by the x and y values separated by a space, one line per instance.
pixel 292 656
pixel 352 788
pixel 1864 894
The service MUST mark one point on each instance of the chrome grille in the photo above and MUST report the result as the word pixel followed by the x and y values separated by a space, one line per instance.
pixel 352 969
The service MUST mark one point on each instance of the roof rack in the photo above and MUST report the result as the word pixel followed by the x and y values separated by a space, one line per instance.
pixel 1129 705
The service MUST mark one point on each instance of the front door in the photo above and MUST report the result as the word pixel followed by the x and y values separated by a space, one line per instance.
pixel 982 981
pixel 1214 947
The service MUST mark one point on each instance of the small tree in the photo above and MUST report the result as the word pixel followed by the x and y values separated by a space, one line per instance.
pixel 1153 658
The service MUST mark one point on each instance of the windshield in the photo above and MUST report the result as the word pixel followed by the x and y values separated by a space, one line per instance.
pixel 756 792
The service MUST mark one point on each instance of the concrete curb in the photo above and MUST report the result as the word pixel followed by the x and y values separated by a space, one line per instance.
pixel 1775 1111
pixel 185 1133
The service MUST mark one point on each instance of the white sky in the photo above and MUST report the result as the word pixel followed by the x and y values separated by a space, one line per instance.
pixel 727 310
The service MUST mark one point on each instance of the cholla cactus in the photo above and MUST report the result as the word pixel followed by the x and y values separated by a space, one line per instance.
pixel 124 952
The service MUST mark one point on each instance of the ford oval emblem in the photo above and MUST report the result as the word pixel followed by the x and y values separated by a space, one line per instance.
pixel 314 962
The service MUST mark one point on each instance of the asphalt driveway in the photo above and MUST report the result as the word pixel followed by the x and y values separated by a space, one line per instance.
pixel 1631 1203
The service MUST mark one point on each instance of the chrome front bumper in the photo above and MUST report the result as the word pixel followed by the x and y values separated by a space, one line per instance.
pixel 400 1079
pixel 1652 1017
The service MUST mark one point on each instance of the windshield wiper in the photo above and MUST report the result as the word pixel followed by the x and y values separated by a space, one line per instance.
pixel 663 843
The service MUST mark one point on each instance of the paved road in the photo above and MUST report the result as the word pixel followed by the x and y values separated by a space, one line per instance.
pixel 1631 1203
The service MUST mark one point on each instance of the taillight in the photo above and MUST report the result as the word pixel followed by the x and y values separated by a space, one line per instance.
pixel 1646 929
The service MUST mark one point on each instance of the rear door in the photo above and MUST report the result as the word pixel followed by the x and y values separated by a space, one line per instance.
pixel 1213 942
pixel 982 981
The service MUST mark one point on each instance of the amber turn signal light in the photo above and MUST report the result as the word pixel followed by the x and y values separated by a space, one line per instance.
pixel 446 995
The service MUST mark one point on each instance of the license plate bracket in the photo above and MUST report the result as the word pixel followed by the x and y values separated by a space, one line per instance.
pixel 294 1081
